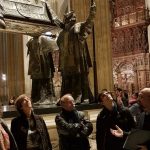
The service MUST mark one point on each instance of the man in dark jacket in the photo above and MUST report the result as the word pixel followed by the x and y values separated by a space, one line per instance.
pixel 72 126
pixel 108 118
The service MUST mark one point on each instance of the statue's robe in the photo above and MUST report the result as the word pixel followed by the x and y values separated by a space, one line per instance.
pixel 75 59
pixel 41 67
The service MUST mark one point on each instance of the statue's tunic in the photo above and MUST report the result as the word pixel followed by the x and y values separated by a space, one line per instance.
pixel 40 58
pixel 41 67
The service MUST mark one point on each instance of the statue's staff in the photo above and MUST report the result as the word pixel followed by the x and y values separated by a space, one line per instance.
pixel 94 61
pixel 92 1
pixel 68 1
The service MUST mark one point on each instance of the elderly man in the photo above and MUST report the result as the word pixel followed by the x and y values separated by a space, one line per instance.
pixel 72 126
pixel 144 119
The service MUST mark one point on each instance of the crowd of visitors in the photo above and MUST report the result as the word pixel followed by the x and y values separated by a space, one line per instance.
pixel 114 124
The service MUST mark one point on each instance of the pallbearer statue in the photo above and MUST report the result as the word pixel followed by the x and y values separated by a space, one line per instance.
pixel 74 55
pixel 41 69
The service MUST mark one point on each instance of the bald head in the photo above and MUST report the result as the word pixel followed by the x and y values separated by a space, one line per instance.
pixel 146 92
pixel 144 98
pixel 67 102
pixel 66 97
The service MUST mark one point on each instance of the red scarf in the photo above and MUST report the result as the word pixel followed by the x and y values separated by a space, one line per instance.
pixel 4 139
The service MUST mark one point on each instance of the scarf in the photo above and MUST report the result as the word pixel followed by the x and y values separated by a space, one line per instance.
pixel 4 139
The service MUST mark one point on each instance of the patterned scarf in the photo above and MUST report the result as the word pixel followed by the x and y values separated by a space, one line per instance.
pixel 4 139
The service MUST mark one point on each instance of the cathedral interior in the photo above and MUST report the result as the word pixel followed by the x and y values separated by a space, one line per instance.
pixel 118 47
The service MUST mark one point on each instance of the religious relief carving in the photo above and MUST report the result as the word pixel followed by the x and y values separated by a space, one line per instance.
pixel 129 40
pixel 123 74
pixel 141 41
pixel 31 2
pixel 125 20
pixel 139 3
pixel 114 44
pixel 132 18
pixel 140 15
pixel 124 7
pixel 127 9
pixel 120 3
pixel 117 22
pixel 127 12
pixel 25 27
pixel 144 40
pixel 130 45
pixel 121 41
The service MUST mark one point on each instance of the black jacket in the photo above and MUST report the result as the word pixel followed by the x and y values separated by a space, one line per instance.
pixel 20 126
pixel 108 119
pixel 144 124
pixel 73 130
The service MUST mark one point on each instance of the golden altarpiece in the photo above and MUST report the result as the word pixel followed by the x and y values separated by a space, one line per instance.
pixel 131 68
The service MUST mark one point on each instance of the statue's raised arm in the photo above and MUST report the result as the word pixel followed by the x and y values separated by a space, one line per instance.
pixel 86 27
pixel 92 13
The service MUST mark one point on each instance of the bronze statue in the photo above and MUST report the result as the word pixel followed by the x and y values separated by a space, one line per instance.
pixel 41 69
pixel 2 22
pixel 74 55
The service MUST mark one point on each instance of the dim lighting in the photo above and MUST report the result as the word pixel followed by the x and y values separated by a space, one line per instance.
pixel 4 77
